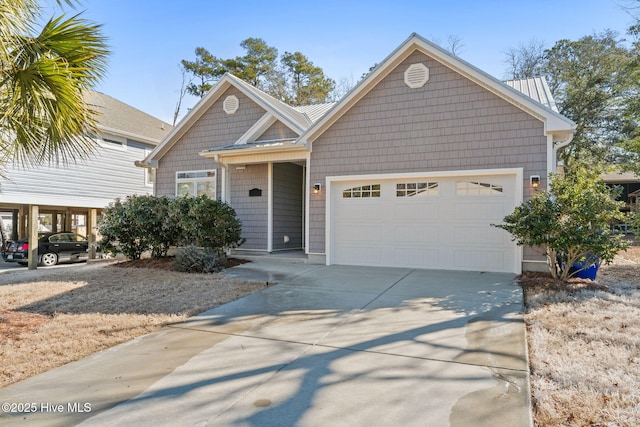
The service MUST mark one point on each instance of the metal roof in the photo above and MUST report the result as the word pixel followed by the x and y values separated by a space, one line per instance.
pixel 316 111
pixel 535 88
pixel 117 117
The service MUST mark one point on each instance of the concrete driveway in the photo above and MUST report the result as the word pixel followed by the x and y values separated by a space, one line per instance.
pixel 339 346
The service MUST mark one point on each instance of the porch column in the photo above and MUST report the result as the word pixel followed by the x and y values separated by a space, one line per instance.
pixel 270 207
pixel 92 232
pixel 15 224
pixel 22 226
pixel 67 220
pixel 33 237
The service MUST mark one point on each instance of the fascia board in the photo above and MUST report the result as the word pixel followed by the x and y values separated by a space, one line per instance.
pixel 258 128
pixel 253 150
pixel 283 116
pixel 129 135
pixel 189 120
pixel 554 122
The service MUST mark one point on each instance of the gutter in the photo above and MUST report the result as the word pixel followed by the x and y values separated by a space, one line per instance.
pixel 152 164
pixel 557 147
pixel 223 176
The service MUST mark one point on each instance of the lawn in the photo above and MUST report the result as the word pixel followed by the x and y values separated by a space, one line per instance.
pixel 584 337
pixel 48 320
pixel 584 347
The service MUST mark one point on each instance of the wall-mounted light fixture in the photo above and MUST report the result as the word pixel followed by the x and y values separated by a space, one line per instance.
pixel 535 181
pixel 316 188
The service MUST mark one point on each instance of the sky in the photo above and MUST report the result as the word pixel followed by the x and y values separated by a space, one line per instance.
pixel 149 38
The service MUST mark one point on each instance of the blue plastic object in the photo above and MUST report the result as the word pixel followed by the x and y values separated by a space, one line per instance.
pixel 589 272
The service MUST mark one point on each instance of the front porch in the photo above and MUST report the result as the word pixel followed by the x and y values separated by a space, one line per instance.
pixel 266 184
pixel 288 256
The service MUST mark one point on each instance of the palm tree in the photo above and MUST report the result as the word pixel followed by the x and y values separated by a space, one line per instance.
pixel 43 73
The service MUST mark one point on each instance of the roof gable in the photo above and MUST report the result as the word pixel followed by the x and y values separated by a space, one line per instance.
pixel 560 127
pixel 276 110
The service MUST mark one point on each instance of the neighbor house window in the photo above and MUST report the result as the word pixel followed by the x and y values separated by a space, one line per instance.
pixel 372 190
pixel 111 141
pixel 149 177
pixel 196 183
pixel 149 173
pixel 472 188
pixel 410 189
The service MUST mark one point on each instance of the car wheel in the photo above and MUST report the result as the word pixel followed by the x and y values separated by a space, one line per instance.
pixel 49 259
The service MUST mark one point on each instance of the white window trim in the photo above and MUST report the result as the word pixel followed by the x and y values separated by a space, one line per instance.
pixel 148 171
pixel 110 145
pixel 213 179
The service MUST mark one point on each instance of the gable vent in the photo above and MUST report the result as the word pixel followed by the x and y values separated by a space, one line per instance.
pixel 416 76
pixel 230 104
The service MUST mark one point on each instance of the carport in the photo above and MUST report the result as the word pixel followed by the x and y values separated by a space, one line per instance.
pixel 25 224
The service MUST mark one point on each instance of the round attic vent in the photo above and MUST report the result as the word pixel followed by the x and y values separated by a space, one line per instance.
pixel 416 76
pixel 230 104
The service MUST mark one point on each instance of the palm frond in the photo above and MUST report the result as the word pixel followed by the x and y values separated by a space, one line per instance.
pixel 43 115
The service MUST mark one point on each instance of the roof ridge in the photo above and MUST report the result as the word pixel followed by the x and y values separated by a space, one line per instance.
pixel 271 99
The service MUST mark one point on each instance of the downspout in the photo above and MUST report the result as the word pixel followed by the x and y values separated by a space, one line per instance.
pixel 150 165
pixel 556 147
pixel 223 176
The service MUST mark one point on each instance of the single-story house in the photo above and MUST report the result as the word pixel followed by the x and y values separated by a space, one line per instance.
pixel 409 169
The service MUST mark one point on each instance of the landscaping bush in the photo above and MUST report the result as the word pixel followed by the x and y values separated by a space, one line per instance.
pixel 134 226
pixel 212 225
pixel 570 222
pixel 191 259
pixel 147 223
pixel 634 222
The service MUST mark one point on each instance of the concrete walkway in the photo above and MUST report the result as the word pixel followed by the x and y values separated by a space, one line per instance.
pixel 339 346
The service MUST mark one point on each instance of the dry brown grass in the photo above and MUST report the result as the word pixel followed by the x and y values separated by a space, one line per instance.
pixel 584 347
pixel 50 320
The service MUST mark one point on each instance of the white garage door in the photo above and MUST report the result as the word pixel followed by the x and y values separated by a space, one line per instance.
pixel 424 222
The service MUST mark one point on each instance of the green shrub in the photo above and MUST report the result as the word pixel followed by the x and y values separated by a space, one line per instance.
pixel 191 259
pixel 211 224
pixel 148 223
pixel 126 227
pixel 570 222
pixel 634 222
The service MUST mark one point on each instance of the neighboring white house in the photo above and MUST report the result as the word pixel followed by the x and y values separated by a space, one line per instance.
pixel 69 197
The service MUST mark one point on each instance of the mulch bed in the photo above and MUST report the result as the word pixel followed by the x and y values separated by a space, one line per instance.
pixel 167 263
pixel 533 283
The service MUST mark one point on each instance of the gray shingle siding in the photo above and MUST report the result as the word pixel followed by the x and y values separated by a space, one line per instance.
pixel 277 131
pixel 213 130
pixel 449 124
pixel 251 211
pixel 287 205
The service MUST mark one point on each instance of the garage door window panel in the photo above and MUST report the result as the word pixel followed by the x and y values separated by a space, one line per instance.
pixel 476 188
pixel 411 189
pixel 363 191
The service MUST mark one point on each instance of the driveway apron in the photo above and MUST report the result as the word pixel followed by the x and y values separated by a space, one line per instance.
pixel 331 345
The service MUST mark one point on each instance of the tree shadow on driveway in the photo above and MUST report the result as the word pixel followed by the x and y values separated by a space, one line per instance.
pixel 389 359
